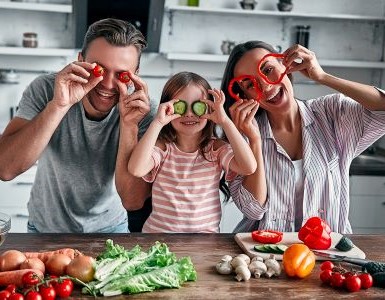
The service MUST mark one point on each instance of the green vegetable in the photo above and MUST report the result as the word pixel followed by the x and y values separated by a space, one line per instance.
pixel 180 107
pixel 344 244
pixel 199 108
pixel 374 267
pixel 271 248
pixel 379 279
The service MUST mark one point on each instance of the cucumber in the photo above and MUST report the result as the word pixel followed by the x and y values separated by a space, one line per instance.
pixel 344 244
pixel 199 108
pixel 374 267
pixel 270 248
pixel 379 279
pixel 180 107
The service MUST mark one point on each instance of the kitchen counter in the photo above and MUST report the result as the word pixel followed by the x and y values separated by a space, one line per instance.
pixel 205 251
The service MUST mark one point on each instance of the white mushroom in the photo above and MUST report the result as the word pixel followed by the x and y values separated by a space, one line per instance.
pixel 238 261
pixel 224 266
pixel 245 257
pixel 273 267
pixel 243 273
pixel 257 268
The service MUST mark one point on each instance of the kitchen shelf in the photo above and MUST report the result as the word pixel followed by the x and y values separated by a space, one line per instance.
pixel 267 13
pixel 36 51
pixel 323 62
pixel 60 8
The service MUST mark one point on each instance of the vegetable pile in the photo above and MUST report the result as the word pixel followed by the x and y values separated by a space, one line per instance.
pixel 120 271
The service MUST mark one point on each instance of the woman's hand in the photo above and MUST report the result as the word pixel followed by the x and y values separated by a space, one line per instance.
pixel 73 83
pixel 309 65
pixel 242 113
pixel 216 113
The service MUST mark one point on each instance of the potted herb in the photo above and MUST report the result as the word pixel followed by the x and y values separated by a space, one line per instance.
pixel 285 5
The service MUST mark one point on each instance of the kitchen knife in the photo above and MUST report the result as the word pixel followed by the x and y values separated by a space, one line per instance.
pixel 352 260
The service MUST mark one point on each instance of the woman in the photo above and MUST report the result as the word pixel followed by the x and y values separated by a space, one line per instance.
pixel 307 146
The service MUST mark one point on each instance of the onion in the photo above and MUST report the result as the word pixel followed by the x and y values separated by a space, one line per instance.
pixel 33 263
pixel 11 260
pixel 57 263
pixel 82 267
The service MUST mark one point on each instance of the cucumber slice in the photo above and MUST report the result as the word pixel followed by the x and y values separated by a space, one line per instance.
pixel 261 248
pixel 199 108
pixel 344 244
pixel 282 248
pixel 271 248
pixel 180 107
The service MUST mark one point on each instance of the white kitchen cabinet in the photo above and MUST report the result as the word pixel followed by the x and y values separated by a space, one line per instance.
pixel 367 204
pixel 14 196
pixel 231 216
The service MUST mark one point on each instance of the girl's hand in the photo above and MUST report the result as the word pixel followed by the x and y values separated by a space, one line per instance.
pixel 73 83
pixel 217 114
pixel 242 113
pixel 165 112
pixel 309 65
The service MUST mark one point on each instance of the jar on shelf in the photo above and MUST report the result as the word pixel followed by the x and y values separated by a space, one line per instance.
pixel 30 40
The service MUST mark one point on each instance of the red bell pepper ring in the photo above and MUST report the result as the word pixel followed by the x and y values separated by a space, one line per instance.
pixel 267 236
pixel 315 234
pixel 240 79
pixel 265 78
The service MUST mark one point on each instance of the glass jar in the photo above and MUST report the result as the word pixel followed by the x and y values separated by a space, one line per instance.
pixel 30 39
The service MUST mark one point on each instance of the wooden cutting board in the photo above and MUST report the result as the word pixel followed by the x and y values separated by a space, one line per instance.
pixel 247 244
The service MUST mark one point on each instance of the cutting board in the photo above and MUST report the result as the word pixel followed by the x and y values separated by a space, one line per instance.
pixel 247 244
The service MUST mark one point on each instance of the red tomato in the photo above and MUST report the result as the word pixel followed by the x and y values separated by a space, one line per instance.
pixel 16 296
pixel 326 275
pixel 64 288
pixel 11 288
pixel 4 294
pixel 366 280
pixel 337 280
pixel 33 295
pixel 98 71
pixel 47 292
pixel 267 236
pixel 124 77
pixel 353 283
pixel 30 278
pixel 327 265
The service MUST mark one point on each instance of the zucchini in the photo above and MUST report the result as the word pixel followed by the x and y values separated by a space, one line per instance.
pixel 180 107
pixel 271 248
pixel 344 244
pixel 199 108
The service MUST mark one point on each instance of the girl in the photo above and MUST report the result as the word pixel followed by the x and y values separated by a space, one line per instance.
pixel 180 154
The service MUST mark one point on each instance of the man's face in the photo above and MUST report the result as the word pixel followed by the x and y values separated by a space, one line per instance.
pixel 114 60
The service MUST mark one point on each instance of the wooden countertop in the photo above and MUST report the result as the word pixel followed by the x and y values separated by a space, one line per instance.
pixel 205 251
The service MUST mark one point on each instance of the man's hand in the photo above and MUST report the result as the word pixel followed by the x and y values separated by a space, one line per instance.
pixel 133 108
pixel 73 83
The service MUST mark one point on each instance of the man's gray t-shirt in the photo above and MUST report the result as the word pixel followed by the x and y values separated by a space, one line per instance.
pixel 74 189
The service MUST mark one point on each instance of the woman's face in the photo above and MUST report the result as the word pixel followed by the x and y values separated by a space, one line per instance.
pixel 274 97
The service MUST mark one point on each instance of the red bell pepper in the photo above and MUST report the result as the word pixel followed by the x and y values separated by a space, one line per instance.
pixel 267 236
pixel 315 234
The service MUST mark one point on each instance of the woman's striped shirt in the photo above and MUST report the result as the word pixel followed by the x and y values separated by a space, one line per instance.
pixel 335 129
pixel 185 191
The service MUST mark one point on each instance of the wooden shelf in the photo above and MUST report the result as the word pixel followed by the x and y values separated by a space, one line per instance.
pixel 36 51
pixel 60 8
pixel 323 62
pixel 267 13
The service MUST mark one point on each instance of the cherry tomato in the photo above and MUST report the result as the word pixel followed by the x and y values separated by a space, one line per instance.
pixel 353 283
pixel 337 280
pixel 30 278
pixel 16 296
pixel 47 292
pixel 64 288
pixel 366 280
pixel 4 294
pixel 98 71
pixel 33 295
pixel 267 236
pixel 325 276
pixel 11 288
pixel 327 265
pixel 124 77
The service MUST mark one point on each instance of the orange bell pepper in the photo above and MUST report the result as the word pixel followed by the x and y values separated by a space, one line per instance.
pixel 298 260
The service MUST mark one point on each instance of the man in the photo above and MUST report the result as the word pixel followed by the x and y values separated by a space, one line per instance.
pixel 82 128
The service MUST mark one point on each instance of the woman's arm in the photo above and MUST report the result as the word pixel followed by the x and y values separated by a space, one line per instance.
pixel 368 96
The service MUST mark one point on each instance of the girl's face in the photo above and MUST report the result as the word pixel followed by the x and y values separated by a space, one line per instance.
pixel 275 97
pixel 190 123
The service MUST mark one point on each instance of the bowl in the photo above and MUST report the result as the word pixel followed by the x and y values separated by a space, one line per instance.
pixel 5 226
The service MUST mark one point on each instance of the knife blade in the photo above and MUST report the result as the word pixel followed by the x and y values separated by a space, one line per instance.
pixel 335 257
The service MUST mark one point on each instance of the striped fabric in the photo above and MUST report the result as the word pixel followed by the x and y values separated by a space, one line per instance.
pixel 336 129
pixel 185 191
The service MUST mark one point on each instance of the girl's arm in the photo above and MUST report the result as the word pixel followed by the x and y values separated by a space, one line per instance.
pixel 368 96
pixel 141 162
